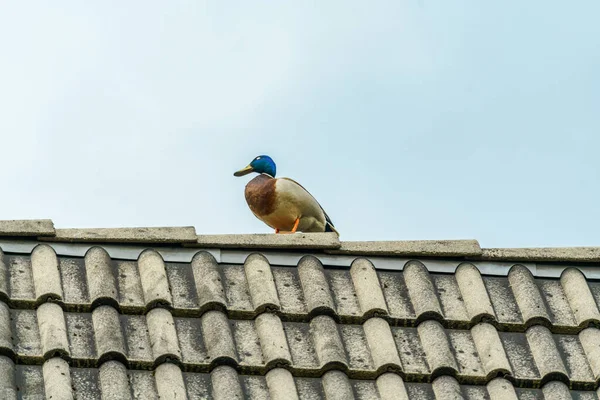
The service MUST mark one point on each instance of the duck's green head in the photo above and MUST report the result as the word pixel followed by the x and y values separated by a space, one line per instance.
pixel 260 164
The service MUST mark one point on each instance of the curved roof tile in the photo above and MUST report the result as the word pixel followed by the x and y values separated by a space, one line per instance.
pixel 95 321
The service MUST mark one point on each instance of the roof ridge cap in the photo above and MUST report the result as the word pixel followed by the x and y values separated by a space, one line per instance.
pixel 27 227
pixel 544 254
pixel 146 235
pixel 427 248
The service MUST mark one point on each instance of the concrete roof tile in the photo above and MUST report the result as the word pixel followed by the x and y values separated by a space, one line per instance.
pixel 5 329
pixel 8 386
pixel 169 382
pixel 579 296
pixel 218 338
pixel 574 358
pixel 151 235
pixel 317 293
pixel 450 297
pixel 437 348
pixel 528 296
pixel 26 334
pixel 337 386
pixel 381 345
pixel 396 295
pixel 101 282
pixel 281 385
pixel 302 348
pixel 107 333
pixel 191 341
pixel 247 343
pixel 183 289
pixel 344 293
pixel 261 241
pixel 198 386
pixel 410 348
pixel 556 390
pixel 475 296
pixel 261 284
pixel 490 350
pixel 503 301
pixel 255 386
pixel 465 353
pixel 129 287
pixel 272 340
pixel 88 382
pixel 519 355
pixel 27 228
pixel 114 383
pixel 30 380
pixel 143 384
pixel 226 384
pixel 414 248
pixel 328 343
pixel 289 291
pixel 564 254
pixel 163 336
pixel 322 328
pixel 358 348
pixel 391 387
pixel 46 276
pixel 422 292
pixel 57 379
pixel 501 389
pixel 209 283
pixel 368 289
pixel 447 388
pixel 80 333
pixel 545 353
pixel 557 305
pixel 236 289
pixel 590 341
pixel 153 278
pixel 53 330
pixel 73 281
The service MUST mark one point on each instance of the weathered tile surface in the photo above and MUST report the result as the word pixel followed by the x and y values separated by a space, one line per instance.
pixel 92 327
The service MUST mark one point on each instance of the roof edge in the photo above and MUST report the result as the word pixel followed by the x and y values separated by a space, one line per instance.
pixel 154 235
pixel 427 248
pixel 329 243
pixel 314 241
pixel 543 254
pixel 27 227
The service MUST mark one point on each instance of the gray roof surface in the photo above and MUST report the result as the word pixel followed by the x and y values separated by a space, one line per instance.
pixel 98 321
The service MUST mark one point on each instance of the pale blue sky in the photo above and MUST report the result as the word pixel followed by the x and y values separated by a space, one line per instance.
pixel 406 119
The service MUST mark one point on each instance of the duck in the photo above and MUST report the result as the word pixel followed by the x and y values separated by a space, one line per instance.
pixel 282 203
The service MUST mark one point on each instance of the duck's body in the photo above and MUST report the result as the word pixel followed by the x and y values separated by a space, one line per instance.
pixel 280 202
pixel 283 204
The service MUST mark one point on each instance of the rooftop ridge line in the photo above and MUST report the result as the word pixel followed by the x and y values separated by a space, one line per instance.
pixel 153 235
pixel 43 230
pixel 27 228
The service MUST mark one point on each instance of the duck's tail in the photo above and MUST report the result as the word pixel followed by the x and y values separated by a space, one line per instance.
pixel 329 225
pixel 330 228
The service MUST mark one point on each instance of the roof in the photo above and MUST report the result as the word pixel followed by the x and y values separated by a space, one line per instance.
pixel 148 313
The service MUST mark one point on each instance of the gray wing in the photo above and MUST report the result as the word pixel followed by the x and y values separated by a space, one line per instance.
pixel 329 227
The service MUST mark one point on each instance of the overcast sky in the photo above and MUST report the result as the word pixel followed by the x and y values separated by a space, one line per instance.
pixel 406 119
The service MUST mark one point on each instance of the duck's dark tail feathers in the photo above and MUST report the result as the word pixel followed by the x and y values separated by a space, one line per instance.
pixel 330 228
pixel 329 225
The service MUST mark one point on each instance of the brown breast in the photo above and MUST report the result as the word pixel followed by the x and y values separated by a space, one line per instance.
pixel 260 195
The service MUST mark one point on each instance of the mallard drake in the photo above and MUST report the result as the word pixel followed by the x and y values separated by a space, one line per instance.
pixel 282 203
